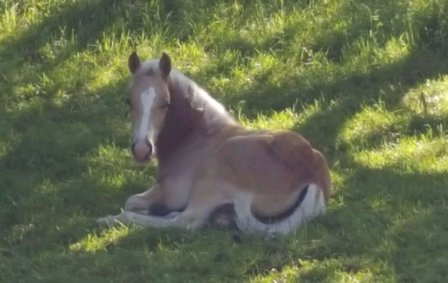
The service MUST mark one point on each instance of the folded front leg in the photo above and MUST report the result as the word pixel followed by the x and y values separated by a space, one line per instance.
pixel 140 203
pixel 193 217
pixel 130 217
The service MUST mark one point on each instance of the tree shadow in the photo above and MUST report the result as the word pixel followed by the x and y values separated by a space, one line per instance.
pixel 387 216
pixel 366 186
pixel 389 85
pixel 97 120
pixel 47 141
pixel 80 22
pixel 47 173
pixel 358 234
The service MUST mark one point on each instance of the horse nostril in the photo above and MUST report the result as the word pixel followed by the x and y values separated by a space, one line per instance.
pixel 142 150
pixel 133 147
pixel 149 145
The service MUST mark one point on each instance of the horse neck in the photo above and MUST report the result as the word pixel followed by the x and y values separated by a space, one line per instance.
pixel 191 112
pixel 180 123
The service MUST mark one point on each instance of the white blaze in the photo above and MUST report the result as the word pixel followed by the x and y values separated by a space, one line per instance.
pixel 147 100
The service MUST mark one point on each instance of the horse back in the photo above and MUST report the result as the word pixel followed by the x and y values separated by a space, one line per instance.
pixel 296 152
pixel 267 161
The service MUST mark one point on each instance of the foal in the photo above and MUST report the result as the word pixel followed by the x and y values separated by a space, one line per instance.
pixel 275 180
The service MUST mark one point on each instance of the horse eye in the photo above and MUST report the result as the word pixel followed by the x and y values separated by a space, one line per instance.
pixel 165 105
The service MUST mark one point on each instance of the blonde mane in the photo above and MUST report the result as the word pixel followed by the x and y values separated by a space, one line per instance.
pixel 215 114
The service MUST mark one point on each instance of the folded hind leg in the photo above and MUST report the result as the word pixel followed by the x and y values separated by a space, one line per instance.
pixel 193 217
pixel 199 211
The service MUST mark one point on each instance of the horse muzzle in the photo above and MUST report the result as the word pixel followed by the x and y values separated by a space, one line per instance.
pixel 142 151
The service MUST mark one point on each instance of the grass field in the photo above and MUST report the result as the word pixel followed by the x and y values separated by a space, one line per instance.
pixel 366 81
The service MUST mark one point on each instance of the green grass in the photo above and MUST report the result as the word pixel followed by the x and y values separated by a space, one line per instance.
pixel 366 81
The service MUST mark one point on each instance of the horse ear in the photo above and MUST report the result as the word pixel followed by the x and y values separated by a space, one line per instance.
pixel 133 62
pixel 165 65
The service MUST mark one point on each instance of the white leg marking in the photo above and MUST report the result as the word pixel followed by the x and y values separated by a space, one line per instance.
pixel 185 220
pixel 193 217
pixel 312 206
pixel 130 217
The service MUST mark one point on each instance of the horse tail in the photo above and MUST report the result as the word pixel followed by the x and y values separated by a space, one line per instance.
pixel 321 173
pixel 295 151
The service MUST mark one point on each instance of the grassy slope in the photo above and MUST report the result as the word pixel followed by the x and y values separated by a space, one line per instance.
pixel 365 81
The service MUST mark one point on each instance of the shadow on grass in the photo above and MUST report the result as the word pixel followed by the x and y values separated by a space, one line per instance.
pixel 49 198
pixel 82 23
pixel 46 142
pixel 45 170
pixel 359 234
pixel 42 153
pixel 375 220
pixel 377 200
pixel 352 94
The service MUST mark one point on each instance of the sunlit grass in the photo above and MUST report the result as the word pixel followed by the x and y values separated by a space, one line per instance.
pixel 92 243
pixel 423 154
pixel 372 122
pixel 364 81
pixel 430 98
pixel 326 270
